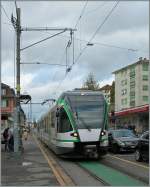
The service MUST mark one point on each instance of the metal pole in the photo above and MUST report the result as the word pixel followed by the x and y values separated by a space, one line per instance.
pixel 17 135
pixel 30 112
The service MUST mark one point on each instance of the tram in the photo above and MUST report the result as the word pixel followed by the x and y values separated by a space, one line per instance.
pixel 76 125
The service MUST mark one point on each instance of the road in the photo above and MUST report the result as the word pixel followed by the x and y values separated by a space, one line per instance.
pixel 113 169
pixel 126 163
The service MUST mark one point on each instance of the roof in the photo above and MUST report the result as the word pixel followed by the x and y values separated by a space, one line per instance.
pixel 140 61
pixel 106 87
pixel 8 87
pixel 4 85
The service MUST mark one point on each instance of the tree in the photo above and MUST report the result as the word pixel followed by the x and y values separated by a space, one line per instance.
pixel 90 83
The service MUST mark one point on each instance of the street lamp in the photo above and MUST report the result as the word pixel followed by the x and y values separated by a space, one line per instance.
pixel 47 100
pixel 89 44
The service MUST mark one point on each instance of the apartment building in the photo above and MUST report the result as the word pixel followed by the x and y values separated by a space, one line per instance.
pixel 106 91
pixel 132 94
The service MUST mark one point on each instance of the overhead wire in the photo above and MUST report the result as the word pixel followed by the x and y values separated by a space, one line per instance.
pixel 97 30
pixel 105 44
pixel 65 52
pixel 79 18
pixel 14 38
pixel 5 12
pixel 14 60
pixel 81 14
pixel 100 6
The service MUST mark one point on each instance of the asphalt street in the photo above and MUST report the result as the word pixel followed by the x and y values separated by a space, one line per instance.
pixel 125 162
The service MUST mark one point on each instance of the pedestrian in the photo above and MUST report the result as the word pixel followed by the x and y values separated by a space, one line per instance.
pixel 25 134
pixel 6 138
pixel 11 140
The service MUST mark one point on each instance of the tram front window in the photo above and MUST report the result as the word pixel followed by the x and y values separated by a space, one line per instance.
pixel 89 111
pixel 63 122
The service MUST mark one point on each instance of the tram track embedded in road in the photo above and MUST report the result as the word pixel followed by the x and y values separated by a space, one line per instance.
pixel 106 175
pixel 95 176
pixel 109 176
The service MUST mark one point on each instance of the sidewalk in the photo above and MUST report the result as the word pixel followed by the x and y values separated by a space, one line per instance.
pixel 31 169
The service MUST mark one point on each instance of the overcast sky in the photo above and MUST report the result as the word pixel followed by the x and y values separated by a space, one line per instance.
pixel 127 27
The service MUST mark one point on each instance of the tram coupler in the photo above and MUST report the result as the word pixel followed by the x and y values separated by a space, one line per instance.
pixel 91 151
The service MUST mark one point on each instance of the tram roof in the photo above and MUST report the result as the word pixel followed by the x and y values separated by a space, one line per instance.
pixel 79 92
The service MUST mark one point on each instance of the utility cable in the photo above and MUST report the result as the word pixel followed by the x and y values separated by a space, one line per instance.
pixel 100 26
pixel 106 18
pixel 81 14
pixel 14 60
pixel 99 7
pixel 43 40
pixel 97 30
pixel 104 44
pixel 5 12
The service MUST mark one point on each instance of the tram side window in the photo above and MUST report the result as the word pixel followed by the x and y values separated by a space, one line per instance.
pixel 64 123
pixel 53 119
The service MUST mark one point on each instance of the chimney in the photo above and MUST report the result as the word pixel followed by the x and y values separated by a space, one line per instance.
pixel 140 58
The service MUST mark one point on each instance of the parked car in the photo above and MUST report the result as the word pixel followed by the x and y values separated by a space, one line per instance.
pixel 142 149
pixel 122 140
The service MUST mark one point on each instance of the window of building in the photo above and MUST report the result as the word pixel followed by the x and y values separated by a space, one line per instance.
pixel 124 101
pixel 132 97
pixel 124 82
pixel 132 79
pixel 145 98
pixel 145 67
pixel 132 74
pixel 145 87
pixel 132 86
pixel 132 103
pixel 145 77
pixel 132 93
pixel 124 91
pixel 132 83
pixel 3 91
pixel 4 103
pixel 123 72
pixel 132 69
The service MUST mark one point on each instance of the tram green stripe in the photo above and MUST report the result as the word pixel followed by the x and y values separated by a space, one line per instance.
pixel 67 140
pixel 104 139
pixel 109 175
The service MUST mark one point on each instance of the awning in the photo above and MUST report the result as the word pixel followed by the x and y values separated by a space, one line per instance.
pixel 139 109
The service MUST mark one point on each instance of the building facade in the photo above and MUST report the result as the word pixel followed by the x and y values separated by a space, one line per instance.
pixel 106 90
pixel 8 104
pixel 132 93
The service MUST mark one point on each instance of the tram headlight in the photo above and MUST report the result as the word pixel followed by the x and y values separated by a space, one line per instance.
pixel 74 134
pixel 103 133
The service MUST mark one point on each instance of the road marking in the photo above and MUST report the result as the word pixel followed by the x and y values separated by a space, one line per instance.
pixel 58 177
pixel 145 167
